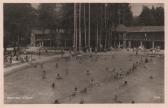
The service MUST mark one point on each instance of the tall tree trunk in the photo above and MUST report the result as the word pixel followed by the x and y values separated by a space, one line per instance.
pixel 101 27
pixel 85 25
pixel 97 38
pixel 76 28
pixel 105 21
pixel 79 26
pixel 75 43
pixel 42 42
pixel 74 38
pixel 89 29
pixel 119 16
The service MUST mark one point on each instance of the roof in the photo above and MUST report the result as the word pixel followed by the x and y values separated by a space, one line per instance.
pixel 146 29
pixel 122 28
pixel 40 31
pixel 47 31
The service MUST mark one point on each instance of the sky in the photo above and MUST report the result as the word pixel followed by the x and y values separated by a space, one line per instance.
pixel 136 8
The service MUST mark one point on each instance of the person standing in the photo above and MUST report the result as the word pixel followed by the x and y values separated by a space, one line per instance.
pixel 136 51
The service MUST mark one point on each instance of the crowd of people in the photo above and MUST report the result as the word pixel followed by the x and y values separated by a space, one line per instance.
pixel 17 59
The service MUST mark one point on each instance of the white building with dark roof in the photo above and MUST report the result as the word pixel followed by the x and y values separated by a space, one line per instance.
pixel 135 36
pixel 126 37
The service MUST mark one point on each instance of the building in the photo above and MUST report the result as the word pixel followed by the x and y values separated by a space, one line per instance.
pixel 46 38
pixel 126 37
pixel 144 36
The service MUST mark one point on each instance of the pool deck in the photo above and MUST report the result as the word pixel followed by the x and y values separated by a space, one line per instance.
pixel 38 59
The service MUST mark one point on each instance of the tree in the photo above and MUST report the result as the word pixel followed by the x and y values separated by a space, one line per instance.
pixel 18 20
pixel 50 15
pixel 116 14
pixel 159 15
pixel 146 17
pixel 151 17
pixel 92 26
pixel 46 14
pixel 67 22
